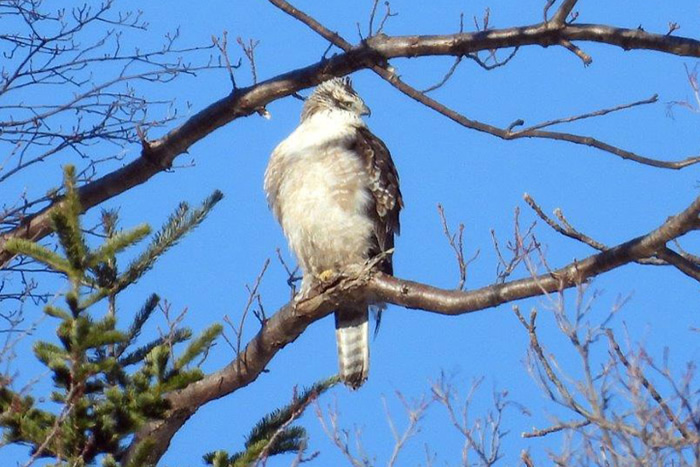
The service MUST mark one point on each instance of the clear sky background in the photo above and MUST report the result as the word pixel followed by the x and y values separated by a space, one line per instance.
pixel 479 180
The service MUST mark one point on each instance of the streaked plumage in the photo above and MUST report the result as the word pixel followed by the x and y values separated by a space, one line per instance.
pixel 333 187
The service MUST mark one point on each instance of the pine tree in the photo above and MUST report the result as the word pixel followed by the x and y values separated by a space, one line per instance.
pixel 274 434
pixel 105 385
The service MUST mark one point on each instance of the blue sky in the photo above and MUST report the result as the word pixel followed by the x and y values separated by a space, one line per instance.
pixel 479 180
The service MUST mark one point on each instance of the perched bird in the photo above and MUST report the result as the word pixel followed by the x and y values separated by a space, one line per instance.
pixel 333 187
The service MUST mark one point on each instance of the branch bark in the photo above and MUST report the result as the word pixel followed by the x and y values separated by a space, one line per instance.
pixel 563 12
pixel 290 321
pixel 158 155
pixel 386 72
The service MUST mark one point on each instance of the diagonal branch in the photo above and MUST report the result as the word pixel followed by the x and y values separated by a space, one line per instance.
pixel 663 257
pixel 332 37
pixel 683 264
pixel 598 113
pixel 636 373
pixel 373 53
pixel 292 319
pixel 385 71
pixel 563 12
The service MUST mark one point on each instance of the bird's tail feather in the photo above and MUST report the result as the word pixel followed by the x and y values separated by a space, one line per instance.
pixel 352 336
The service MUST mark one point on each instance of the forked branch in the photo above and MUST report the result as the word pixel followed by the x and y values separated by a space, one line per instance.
pixel 373 53
pixel 291 320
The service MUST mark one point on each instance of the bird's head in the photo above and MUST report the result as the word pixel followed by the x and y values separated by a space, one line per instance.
pixel 335 94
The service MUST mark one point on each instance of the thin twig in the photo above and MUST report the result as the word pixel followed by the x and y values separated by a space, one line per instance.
pixel 252 296
pixel 371 18
pixel 415 413
pixel 387 14
pixel 664 256
pixel 333 431
pixel 249 52
pixel 222 45
pixel 536 433
pixel 637 374
pixel 456 242
pixel 598 113
pixel 445 78
pixel 496 63
pixel 292 278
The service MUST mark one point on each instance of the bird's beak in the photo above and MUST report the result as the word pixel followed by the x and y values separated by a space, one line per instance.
pixel 365 110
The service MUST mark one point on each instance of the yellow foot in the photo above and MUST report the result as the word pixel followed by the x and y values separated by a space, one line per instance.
pixel 326 276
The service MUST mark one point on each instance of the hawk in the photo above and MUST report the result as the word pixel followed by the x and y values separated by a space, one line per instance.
pixel 334 189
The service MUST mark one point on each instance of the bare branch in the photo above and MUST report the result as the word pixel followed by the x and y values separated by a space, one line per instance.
pixel 615 421
pixel 413 295
pixel 585 58
pixel 635 373
pixel 507 134
pixel 249 51
pixel 415 412
pixel 371 18
pixel 445 78
pixel 222 45
pixel 535 433
pixel 672 27
pixel 685 263
pixel 562 13
pixel 653 99
pixel 567 230
pixel 253 296
pixel 158 155
pixel 292 277
pixel 387 72
pixel 339 437
pixel 291 320
pixel 456 242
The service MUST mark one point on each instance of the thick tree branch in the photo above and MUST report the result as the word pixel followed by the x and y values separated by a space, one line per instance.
pixel 291 320
pixel 281 329
pixel 537 34
pixel 684 265
pixel 373 53
pixel 385 71
pixel 448 302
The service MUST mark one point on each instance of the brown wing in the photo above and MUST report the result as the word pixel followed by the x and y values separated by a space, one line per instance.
pixel 384 186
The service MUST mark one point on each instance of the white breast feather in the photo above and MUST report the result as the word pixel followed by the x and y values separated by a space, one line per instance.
pixel 318 190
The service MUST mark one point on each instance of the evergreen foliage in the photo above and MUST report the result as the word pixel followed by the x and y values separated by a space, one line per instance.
pixel 101 403
pixel 274 433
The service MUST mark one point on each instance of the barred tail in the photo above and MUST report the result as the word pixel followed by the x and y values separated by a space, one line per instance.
pixel 352 336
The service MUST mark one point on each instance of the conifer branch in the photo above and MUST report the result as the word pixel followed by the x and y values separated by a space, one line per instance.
pixel 102 405
pixel 66 223
pixel 136 356
pixel 199 346
pixel 56 312
pixel 23 423
pixel 139 320
pixel 21 246
pixel 116 243
pixel 181 222
pixel 274 433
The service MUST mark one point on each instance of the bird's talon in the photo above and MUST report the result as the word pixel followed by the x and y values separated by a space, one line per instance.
pixel 326 276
